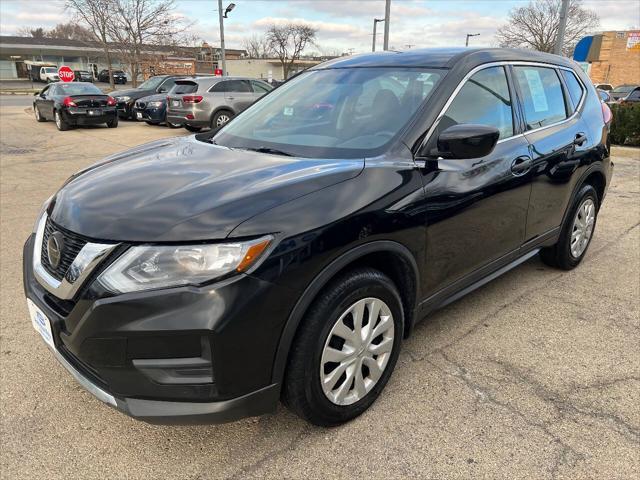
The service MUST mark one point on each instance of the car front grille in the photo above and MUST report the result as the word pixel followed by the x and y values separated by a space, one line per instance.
pixel 71 246
pixel 141 105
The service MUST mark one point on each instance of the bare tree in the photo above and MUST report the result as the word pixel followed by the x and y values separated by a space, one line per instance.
pixel 258 47
pixel 288 42
pixel 138 24
pixel 535 26
pixel 71 31
pixel 96 15
pixel 38 32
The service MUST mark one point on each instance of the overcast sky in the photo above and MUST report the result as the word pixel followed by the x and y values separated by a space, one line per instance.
pixel 341 24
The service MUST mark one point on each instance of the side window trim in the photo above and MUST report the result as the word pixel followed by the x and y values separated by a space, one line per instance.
pixel 582 86
pixel 511 64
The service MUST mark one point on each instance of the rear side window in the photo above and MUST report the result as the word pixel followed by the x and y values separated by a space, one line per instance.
pixel 238 86
pixel 542 96
pixel 574 86
pixel 260 87
pixel 635 95
pixel 182 87
pixel 483 100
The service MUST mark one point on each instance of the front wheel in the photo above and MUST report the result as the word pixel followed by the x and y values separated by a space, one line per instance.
pixel 60 122
pixel 221 118
pixel 577 232
pixel 345 349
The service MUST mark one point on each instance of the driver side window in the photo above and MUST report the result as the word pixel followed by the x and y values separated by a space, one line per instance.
pixel 483 100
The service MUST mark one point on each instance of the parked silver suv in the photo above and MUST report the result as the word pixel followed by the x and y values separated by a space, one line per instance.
pixel 210 102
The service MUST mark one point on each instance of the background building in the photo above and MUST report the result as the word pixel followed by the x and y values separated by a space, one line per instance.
pixel 611 57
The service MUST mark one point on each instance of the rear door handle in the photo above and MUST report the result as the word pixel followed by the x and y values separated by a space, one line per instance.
pixel 230 98
pixel 521 165
pixel 580 139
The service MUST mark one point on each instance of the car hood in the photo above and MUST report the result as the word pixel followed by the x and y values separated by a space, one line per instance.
pixel 183 189
pixel 154 98
pixel 132 92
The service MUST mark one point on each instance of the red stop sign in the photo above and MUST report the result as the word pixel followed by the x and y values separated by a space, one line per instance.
pixel 217 72
pixel 65 74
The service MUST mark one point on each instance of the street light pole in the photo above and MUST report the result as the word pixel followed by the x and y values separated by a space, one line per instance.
pixel 222 53
pixel 375 24
pixel 557 49
pixel 387 14
pixel 466 42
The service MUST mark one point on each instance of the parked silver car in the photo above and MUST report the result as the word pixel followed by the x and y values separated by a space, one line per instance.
pixel 210 102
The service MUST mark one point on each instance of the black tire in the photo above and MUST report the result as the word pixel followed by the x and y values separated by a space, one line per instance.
pixel 151 123
pixel 218 120
pixel 113 123
pixel 39 117
pixel 302 390
pixel 61 123
pixel 191 128
pixel 559 255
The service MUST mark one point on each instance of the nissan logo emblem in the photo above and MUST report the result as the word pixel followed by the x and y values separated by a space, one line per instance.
pixel 55 244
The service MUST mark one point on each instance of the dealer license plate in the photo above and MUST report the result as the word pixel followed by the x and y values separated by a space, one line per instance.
pixel 41 323
pixel 94 112
pixel 139 115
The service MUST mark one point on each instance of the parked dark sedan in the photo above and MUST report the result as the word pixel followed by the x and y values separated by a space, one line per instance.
pixel 71 104
pixel 127 98
pixel 286 256
pixel 621 91
pixel 82 76
pixel 118 76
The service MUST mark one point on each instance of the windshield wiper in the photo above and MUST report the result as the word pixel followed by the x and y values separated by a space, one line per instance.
pixel 273 151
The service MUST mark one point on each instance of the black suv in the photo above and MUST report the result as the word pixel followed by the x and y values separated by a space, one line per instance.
pixel 118 76
pixel 288 254
pixel 127 98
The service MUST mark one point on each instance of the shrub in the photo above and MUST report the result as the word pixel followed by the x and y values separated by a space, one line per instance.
pixel 625 127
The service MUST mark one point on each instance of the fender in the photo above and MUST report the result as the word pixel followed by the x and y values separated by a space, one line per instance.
pixel 595 167
pixel 312 290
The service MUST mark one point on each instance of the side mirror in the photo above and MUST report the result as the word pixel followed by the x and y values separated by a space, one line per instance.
pixel 162 90
pixel 467 141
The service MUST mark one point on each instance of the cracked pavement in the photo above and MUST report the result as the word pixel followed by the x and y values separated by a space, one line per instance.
pixel 535 375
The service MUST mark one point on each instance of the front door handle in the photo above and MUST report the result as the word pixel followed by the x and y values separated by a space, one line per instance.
pixel 521 165
pixel 580 139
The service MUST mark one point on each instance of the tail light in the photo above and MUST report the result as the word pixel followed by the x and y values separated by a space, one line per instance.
pixel 111 101
pixel 192 98
pixel 68 102
pixel 607 115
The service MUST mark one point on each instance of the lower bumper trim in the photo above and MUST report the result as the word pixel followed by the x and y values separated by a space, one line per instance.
pixel 91 387
pixel 162 412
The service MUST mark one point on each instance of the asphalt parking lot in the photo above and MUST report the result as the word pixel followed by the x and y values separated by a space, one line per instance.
pixel 536 375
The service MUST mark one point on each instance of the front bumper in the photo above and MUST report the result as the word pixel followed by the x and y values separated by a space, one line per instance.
pixel 153 115
pixel 180 355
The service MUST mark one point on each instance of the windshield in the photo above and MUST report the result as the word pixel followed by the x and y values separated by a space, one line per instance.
pixel 152 83
pixel 50 70
pixel 78 89
pixel 333 113
pixel 624 88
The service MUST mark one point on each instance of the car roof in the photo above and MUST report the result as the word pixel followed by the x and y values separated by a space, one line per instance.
pixel 443 58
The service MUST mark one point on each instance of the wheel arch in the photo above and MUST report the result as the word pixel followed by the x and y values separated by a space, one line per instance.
pixel 392 258
pixel 220 109
pixel 594 176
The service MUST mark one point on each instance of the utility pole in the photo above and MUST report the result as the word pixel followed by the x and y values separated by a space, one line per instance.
pixel 561 27
pixel 466 42
pixel 387 14
pixel 375 24
pixel 220 17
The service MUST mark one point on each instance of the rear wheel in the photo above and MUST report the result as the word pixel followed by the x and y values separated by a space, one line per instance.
pixel 38 115
pixel 346 349
pixel 60 122
pixel 577 232
pixel 221 118
pixel 191 128
pixel 113 123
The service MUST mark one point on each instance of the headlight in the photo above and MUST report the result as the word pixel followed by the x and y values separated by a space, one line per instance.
pixel 149 267
pixel 154 104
